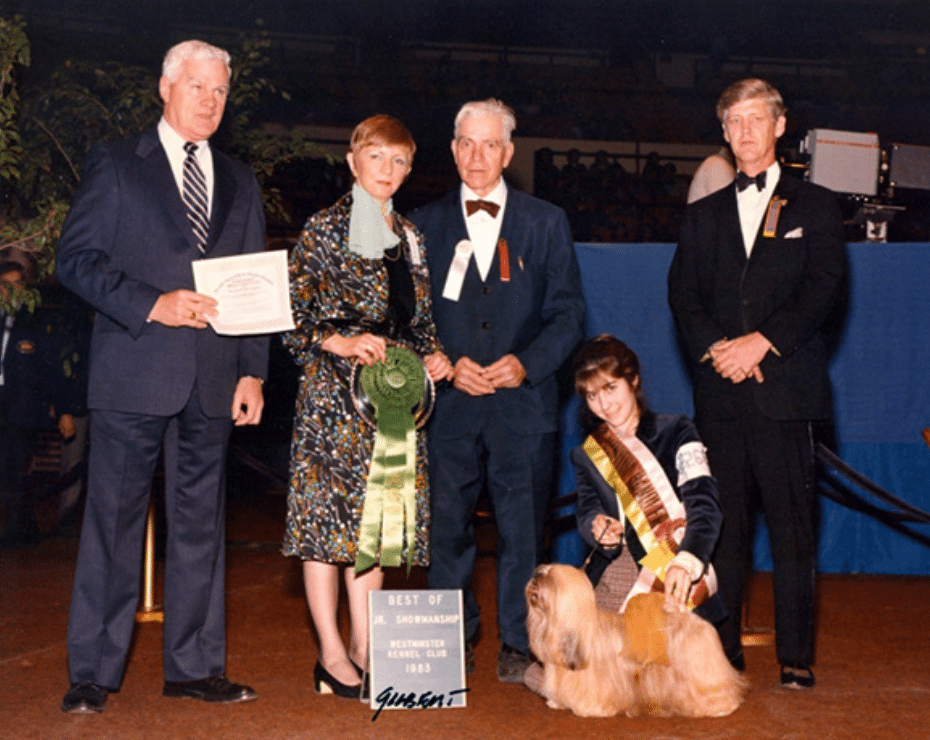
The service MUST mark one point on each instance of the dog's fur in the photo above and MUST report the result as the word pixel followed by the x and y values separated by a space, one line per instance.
pixel 588 663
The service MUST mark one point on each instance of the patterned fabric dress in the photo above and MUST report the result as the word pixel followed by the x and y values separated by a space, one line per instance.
pixel 334 291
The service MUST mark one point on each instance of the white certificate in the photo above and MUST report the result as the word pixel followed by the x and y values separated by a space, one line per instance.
pixel 251 292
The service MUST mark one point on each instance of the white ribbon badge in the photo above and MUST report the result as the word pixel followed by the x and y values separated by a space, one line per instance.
pixel 456 276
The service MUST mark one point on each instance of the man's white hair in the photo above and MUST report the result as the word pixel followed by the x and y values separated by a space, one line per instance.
pixel 193 49
pixel 489 107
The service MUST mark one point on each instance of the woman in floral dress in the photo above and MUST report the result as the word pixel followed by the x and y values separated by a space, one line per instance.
pixel 358 281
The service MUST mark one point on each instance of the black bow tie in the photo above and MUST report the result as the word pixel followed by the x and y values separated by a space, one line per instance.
pixel 473 206
pixel 743 181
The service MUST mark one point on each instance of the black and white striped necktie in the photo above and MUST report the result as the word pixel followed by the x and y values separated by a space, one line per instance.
pixel 195 196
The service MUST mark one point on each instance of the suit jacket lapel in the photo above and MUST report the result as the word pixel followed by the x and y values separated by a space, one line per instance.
pixel 787 189
pixel 730 225
pixel 224 192
pixel 157 171
pixel 456 220
pixel 456 230
pixel 510 227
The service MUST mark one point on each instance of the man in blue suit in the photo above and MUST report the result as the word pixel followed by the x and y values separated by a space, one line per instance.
pixel 160 377
pixel 509 311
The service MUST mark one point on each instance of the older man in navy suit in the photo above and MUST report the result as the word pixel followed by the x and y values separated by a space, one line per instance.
pixel 508 308
pixel 758 271
pixel 160 377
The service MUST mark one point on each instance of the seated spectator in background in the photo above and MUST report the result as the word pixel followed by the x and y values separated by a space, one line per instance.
pixel 601 164
pixel 546 175
pixel 651 177
pixel 574 173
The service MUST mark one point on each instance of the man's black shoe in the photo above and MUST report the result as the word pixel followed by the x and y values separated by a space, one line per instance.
pixel 213 689
pixel 85 697
pixel 512 664
pixel 797 676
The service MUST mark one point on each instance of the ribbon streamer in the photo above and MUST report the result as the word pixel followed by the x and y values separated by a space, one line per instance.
pixel 394 388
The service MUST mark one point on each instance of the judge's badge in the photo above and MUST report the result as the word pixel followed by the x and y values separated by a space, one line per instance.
pixel 456 275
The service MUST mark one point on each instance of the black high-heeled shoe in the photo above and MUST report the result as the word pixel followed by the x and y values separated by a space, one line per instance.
pixel 366 679
pixel 325 683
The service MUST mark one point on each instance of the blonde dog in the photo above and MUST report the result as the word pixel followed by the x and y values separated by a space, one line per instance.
pixel 645 661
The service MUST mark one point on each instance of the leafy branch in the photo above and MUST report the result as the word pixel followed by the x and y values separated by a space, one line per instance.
pixel 40 157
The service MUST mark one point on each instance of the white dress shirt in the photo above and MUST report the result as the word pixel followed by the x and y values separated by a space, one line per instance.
pixel 483 228
pixel 752 204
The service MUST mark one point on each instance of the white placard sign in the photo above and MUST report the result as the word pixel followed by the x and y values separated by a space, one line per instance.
pixel 417 650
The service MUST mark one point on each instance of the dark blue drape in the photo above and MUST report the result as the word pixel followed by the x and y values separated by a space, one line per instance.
pixel 880 373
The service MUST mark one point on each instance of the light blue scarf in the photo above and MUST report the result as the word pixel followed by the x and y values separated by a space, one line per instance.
pixel 369 234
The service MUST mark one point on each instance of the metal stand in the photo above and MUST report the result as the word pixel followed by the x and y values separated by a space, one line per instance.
pixel 149 611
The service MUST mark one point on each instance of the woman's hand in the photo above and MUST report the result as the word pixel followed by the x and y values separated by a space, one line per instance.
pixel 438 367
pixel 607 531
pixel 366 348
pixel 677 588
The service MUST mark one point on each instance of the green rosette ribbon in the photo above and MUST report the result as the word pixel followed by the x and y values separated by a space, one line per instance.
pixel 394 388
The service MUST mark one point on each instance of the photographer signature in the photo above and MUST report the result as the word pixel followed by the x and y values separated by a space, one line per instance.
pixel 412 700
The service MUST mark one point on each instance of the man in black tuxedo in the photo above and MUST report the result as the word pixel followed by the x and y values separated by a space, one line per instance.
pixel 758 270
pixel 509 311
pixel 160 377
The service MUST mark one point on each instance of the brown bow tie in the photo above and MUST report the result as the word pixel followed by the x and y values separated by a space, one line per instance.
pixel 473 206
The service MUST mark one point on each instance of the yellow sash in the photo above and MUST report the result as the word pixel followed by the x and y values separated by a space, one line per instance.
pixel 650 504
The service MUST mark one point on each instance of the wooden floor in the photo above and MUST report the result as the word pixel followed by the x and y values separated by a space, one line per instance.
pixel 873 663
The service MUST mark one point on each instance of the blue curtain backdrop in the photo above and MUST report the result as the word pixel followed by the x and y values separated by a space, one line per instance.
pixel 880 373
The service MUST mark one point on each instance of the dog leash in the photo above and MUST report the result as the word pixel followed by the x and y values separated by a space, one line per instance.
pixel 597 540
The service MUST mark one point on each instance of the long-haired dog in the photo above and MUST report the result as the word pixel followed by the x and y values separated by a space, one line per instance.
pixel 645 661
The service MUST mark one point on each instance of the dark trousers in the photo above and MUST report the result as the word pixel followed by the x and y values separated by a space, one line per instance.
pixel 17 446
pixel 518 474
pixel 761 461
pixel 124 451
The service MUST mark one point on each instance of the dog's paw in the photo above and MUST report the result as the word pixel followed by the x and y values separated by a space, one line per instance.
pixel 553 704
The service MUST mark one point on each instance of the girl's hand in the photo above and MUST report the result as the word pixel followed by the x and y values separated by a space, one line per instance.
pixel 607 531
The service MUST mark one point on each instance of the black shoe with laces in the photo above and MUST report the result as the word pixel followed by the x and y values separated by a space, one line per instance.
pixel 797 676
pixel 215 689
pixel 512 664
pixel 85 697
